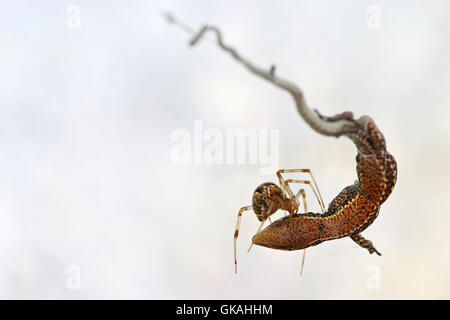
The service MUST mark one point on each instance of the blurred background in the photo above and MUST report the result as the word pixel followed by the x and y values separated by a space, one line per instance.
pixel 93 205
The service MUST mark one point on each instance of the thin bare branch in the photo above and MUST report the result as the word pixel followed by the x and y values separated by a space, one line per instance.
pixel 329 126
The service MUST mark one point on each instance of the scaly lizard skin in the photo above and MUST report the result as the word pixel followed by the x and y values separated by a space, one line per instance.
pixel 355 207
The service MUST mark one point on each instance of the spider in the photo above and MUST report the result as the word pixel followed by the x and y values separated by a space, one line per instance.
pixel 269 198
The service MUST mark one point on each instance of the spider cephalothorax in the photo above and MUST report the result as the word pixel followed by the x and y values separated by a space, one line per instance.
pixel 268 198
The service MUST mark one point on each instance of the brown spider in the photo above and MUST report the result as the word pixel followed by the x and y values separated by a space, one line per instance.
pixel 269 198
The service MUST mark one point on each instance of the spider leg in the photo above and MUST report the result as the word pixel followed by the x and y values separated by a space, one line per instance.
pixel 259 229
pixel 302 193
pixel 260 226
pixel 315 188
pixel 236 233
pixel 283 186
pixel 308 183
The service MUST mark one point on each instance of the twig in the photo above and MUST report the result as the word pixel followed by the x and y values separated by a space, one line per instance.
pixel 329 126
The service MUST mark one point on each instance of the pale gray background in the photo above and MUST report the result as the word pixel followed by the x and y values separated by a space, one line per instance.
pixel 86 176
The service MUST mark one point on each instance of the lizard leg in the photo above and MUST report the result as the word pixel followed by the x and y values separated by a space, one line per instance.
pixel 359 239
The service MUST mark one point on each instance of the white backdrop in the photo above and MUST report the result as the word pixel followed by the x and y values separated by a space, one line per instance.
pixel 93 206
